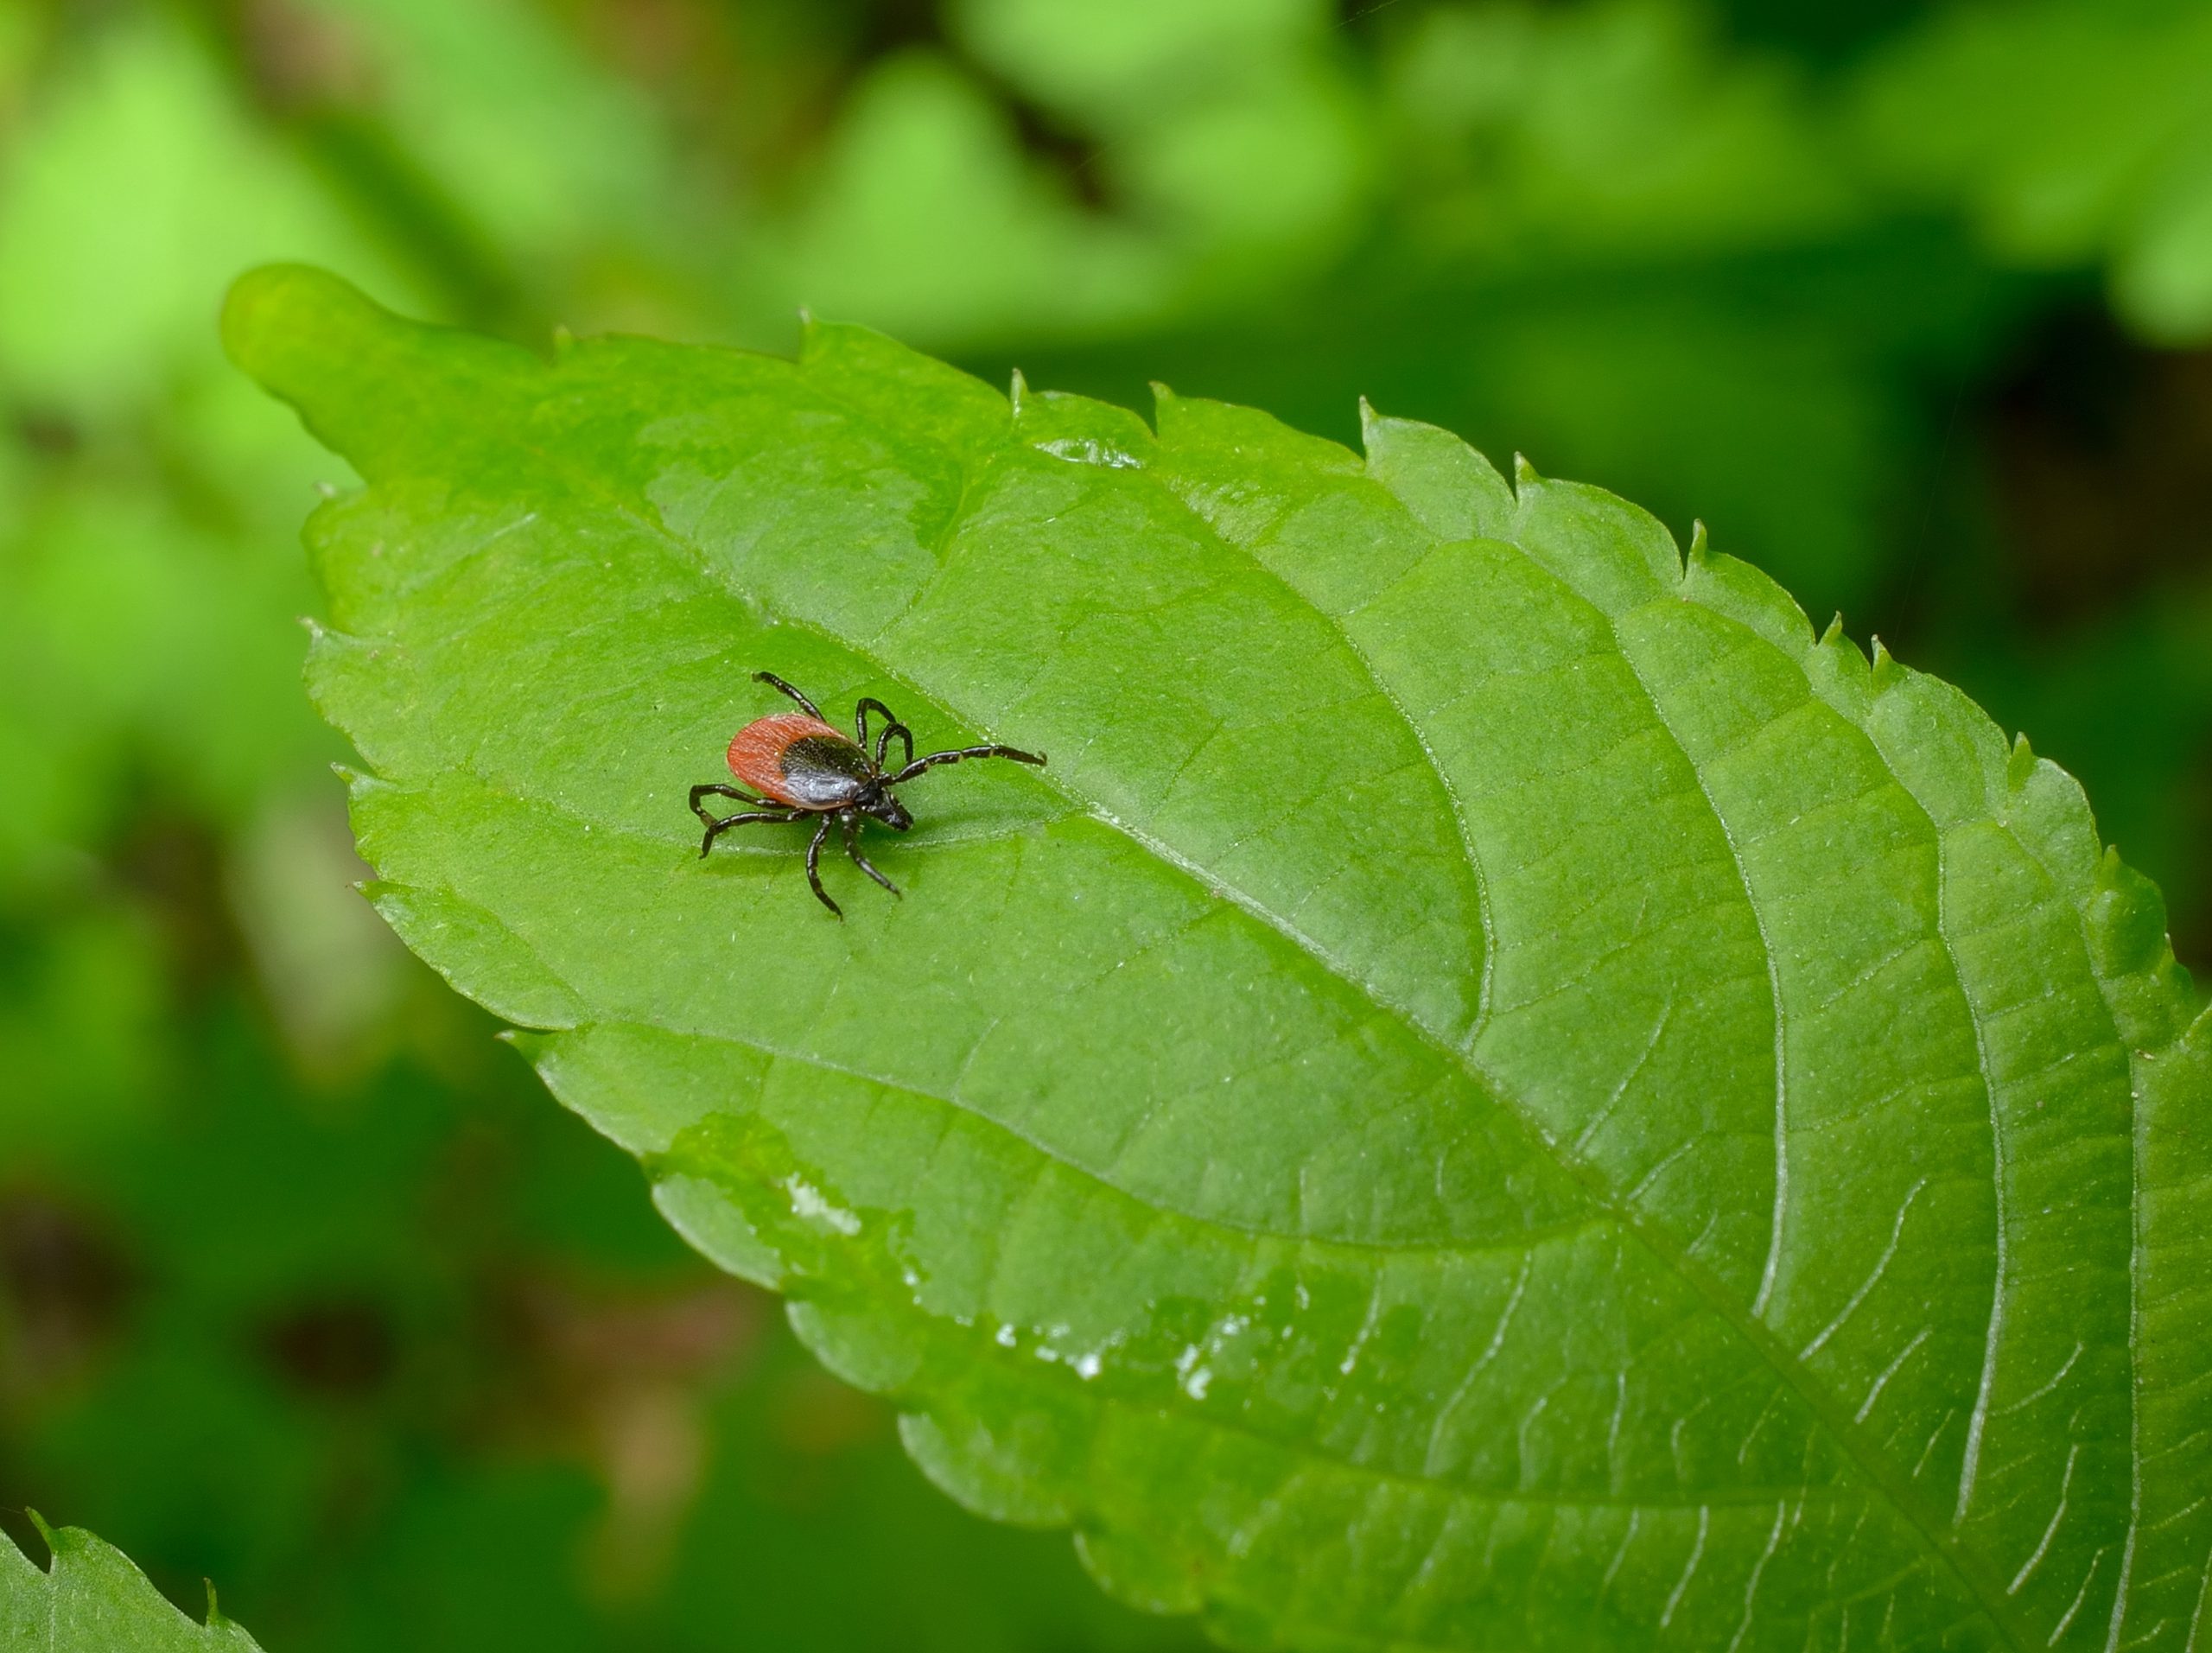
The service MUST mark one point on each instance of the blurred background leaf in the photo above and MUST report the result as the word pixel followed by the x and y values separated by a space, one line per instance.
pixel 2070 133
pixel 1910 301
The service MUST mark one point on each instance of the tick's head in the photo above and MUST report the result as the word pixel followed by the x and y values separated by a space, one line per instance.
pixel 882 806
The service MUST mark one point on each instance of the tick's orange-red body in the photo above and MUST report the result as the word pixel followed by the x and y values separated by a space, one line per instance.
pixel 760 755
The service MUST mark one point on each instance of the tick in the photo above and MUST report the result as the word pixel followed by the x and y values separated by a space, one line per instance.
pixel 802 767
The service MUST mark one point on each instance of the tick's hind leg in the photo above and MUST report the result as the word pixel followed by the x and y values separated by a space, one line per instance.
pixel 852 823
pixel 781 687
pixel 814 867
pixel 720 789
pixel 744 817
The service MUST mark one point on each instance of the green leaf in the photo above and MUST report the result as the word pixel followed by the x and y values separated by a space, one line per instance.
pixel 90 1600
pixel 1496 1092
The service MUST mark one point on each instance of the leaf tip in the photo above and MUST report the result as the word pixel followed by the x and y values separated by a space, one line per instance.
pixel 275 314
pixel 1524 473
pixel 1017 388
pixel 564 340
pixel 1700 544
pixel 2126 918
pixel 2197 1036
pixel 1162 394
pixel 1887 671
pixel 1834 635
pixel 533 1045
pixel 2020 763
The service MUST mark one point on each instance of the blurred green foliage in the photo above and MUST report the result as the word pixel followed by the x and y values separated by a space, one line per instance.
pixel 302 1286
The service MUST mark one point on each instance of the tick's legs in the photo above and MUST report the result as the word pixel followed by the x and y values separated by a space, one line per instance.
pixel 852 823
pixel 814 865
pixel 715 828
pixel 781 687
pixel 719 789
pixel 957 755
pixel 892 726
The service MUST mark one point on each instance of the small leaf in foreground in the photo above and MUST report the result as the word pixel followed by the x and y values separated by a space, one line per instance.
pixel 91 1599
pixel 1499 1091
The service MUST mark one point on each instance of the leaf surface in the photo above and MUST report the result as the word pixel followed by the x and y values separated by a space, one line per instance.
pixel 1496 1091
pixel 91 1599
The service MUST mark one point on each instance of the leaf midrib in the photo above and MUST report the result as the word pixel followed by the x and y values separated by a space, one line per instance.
pixel 1800 1495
